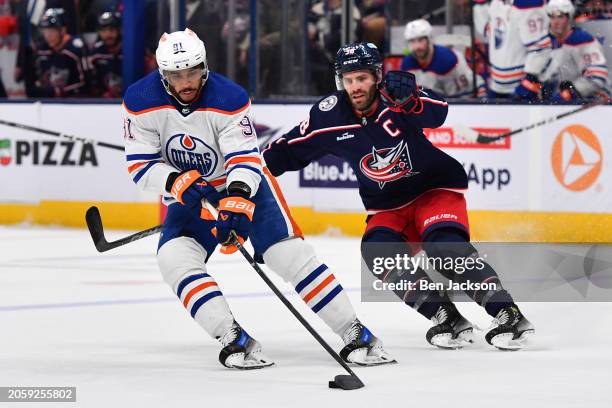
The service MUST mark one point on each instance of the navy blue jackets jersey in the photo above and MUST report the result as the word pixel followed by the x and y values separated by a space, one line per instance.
pixel 60 72
pixel 107 69
pixel 393 160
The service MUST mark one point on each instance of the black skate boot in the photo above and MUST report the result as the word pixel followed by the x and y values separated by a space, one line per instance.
pixel 362 347
pixel 450 330
pixel 241 351
pixel 510 329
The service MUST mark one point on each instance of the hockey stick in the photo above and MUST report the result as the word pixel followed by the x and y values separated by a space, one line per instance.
pixel 483 138
pixel 60 135
pixel 96 229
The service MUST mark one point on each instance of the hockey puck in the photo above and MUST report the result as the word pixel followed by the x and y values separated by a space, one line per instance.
pixel 346 382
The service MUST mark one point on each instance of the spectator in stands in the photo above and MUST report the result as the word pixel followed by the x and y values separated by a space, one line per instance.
pixel 29 13
pixel 373 22
pixel 8 20
pixel 519 46
pixel 106 59
pixel 436 67
pixel 328 17
pixel 59 63
pixel 578 68
pixel 595 10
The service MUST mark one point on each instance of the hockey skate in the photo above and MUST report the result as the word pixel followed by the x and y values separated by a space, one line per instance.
pixel 509 330
pixel 241 351
pixel 450 330
pixel 362 347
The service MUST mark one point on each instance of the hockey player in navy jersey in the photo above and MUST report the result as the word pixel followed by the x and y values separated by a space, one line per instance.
pixel 410 189
pixel 436 67
pixel 60 62
pixel 106 58
pixel 189 137
pixel 578 66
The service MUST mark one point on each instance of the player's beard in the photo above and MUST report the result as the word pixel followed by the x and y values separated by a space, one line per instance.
pixel 193 95
pixel 365 100
pixel 422 55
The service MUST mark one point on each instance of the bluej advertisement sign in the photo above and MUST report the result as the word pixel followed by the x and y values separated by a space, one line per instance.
pixel 329 171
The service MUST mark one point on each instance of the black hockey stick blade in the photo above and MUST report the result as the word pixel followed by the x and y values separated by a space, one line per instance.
pixel 346 382
pixel 96 229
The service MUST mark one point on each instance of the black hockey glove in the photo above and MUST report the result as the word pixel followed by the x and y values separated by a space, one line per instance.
pixel 400 92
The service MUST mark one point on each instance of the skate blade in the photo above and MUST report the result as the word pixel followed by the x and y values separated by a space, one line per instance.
pixel 447 342
pixel 363 358
pixel 252 362
pixel 506 342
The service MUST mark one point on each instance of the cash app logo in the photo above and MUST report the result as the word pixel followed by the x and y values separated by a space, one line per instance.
pixel 5 152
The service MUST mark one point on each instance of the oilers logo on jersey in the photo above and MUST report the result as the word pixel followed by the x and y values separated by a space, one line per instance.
pixel 187 152
pixel 388 164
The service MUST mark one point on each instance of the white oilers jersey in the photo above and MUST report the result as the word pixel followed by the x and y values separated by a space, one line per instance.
pixel 579 58
pixel 447 73
pixel 517 34
pixel 214 135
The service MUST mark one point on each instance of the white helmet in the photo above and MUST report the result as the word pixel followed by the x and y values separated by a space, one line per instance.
pixel 180 50
pixel 561 6
pixel 417 29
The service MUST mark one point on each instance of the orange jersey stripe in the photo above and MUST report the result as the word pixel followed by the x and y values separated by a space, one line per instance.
pixel 218 182
pixel 136 166
pixel 597 71
pixel 242 159
pixel 296 229
pixel 319 288
pixel 224 111
pixel 197 289
pixel 517 74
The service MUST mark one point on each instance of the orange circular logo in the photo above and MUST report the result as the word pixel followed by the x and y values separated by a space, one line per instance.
pixel 576 158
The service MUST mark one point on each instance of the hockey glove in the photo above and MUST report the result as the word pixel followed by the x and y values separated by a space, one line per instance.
pixel 567 93
pixel 189 188
pixel 400 93
pixel 235 215
pixel 528 89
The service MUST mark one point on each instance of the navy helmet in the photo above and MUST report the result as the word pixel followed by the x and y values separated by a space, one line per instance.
pixel 53 17
pixel 355 57
pixel 109 19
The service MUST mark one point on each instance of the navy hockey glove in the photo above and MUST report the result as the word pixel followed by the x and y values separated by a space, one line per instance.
pixel 235 215
pixel 189 188
pixel 529 89
pixel 567 93
pixel 400 92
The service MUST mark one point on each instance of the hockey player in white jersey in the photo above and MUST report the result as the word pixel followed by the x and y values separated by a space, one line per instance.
pixel 578 67
pixel 519 45
pixel 189 137
pixel 436 67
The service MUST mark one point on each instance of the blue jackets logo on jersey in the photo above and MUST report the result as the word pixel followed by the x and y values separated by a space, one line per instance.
pixel 388 164
pixel 187 152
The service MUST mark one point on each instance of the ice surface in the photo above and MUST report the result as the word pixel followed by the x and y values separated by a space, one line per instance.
pixel 107 324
